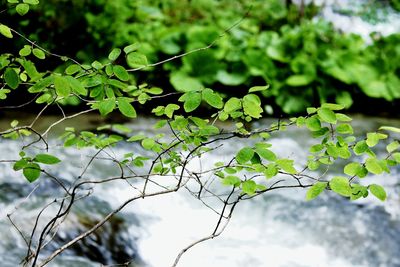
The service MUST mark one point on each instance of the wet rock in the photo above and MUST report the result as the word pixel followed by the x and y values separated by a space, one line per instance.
pixel 110 244
pixel 9 192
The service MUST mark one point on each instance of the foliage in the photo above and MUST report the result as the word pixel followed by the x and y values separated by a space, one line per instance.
pixel 108 87
pixel 395 4
pixel 306 62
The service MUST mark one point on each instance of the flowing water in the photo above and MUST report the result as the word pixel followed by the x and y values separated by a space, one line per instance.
pixel 361 17
pixel 277 229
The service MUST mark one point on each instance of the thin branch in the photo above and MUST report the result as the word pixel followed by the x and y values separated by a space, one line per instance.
pixel 45 50
pixel 21 105
pixel 66 118
pixel 215 233
pixel 98 225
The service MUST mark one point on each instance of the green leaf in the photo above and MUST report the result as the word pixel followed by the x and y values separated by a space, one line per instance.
pixel 38 53
pixel 117 84
pixel 169 110
pixel 244 155
pixel 396 157
pixel 106 106
pixel 22 9
pixel 26 51
pixel 300 121
pixel 378 191
pixel 360 148
pixel 46 159
pixel 160 124
pixel 154 91
pixel 136 60
pixel 11 78
pixel 232 104
pixel 258 88
pixel 231 180
pixel 266 153
pixel 30 69
pixel 62 86
pixel 212 98
pixel 373 138
pixel 14 123
pixel 321 132
pixel 316 148
pixel 332 106
pixel 41 85
pixel 315 190
pixel 192 101
pixel 5 31
pixel 270 171
pixel 343 117
pixel 341 186
pixel 121 73
pixel 332 150
pixel 31 172
pixel 3 93
pixel 31 2
pixel 209 130
pixel 126 108
pixel 76 86
pixel 230 170
pixel 390 129
pixel 344 129
pixel 252 106
pixel 327 115
pixel 130 48
pixel 358 191
pixel 114 54
pixel 143 97
pixel 72 69
pixel 392 146
pixel 148 143
pixel 20 164
pixel 136 138
pixel 311 110
pixel 249 187
pixel 313 123
pixel 286 165
pixel 313 165
pixel 373 166
pixel 353 168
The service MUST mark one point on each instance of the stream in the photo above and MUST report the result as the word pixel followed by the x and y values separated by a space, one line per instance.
pixel 277 229
pixel 361 17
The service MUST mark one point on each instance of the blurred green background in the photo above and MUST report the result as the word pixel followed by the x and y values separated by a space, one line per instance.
pixel 287 44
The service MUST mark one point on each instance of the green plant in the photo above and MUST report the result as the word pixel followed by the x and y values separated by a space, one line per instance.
pixel 306 62
pixel 109 88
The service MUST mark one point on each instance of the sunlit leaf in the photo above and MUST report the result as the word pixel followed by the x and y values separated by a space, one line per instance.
pixel 62 86
pixel 327 115
pixel 341 186
pixel 5 31
pixel 378 191
pixel 316 190
pixel 46 159
pixel 244 155
pixel 11 78
pixel 31 172
pixel 126 108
